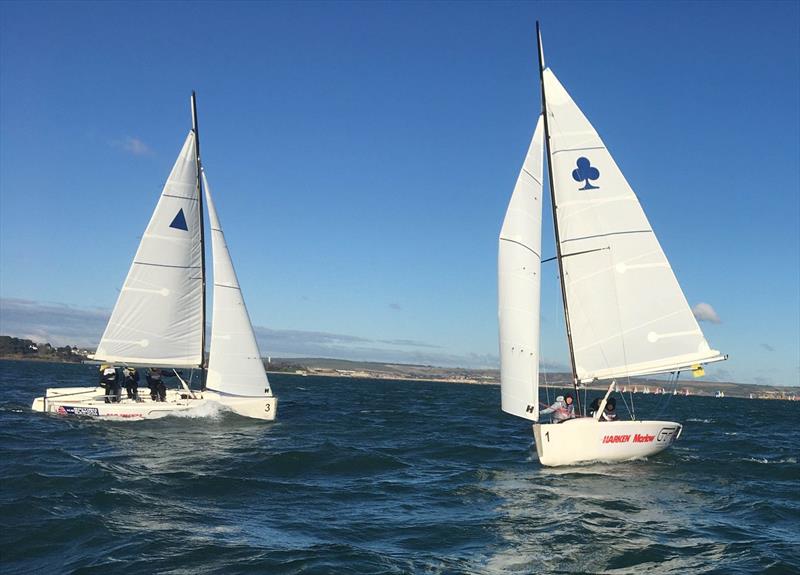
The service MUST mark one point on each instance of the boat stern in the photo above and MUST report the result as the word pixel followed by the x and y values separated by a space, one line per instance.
pixel 264 408
pixel 55 396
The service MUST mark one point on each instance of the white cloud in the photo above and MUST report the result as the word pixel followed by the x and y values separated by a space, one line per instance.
pixel 704 312
pixel 133 146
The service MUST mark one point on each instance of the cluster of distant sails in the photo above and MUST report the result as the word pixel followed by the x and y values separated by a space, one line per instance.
pixel 625 313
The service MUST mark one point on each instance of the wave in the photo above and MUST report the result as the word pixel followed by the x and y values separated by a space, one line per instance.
pixel 208 409
pixel 765 460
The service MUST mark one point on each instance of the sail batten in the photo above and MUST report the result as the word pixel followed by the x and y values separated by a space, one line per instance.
pixel 627 313
pixel 157 318
pixel 519 267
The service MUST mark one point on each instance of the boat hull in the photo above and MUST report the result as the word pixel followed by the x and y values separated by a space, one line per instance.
pixel 584 439
pixel 90 402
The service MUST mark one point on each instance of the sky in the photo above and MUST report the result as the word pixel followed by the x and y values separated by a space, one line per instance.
pixel 362 156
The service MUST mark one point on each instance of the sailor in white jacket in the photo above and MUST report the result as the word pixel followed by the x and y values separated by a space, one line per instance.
pixel 562 409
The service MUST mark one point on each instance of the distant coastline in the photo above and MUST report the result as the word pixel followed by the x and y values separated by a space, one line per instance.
pixel 18 349
pixel 326 367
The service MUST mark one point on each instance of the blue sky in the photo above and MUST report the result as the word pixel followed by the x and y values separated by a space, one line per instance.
pixel 362 155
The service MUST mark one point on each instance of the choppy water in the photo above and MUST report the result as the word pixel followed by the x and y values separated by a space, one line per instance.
pixel 362 476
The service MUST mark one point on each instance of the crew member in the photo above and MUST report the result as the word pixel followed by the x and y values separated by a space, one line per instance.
pixel 110 383
pixel 562 410
pixel 158 390
pixel 131 379
pixel 610 412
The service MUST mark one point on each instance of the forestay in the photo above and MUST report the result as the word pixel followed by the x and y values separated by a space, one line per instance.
pixel 627 313
pixel 519 266
pixel 235 366
pixel 158 317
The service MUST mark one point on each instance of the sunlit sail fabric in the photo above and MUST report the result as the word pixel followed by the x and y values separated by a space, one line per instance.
pixel 627 313
pixel 158 317
pixel 518 278
pixel 235 365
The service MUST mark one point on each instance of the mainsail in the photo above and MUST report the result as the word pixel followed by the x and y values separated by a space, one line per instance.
pixel 234 366
pixel 158 317
pixel 519 266
pixel 627 314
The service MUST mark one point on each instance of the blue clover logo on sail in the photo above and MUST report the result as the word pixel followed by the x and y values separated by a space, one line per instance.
pixel 179 221
pixel 585 172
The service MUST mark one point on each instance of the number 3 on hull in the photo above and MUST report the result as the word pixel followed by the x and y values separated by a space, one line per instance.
pixel 624 310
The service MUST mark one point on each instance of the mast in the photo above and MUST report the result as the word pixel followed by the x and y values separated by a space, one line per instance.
pixel 199 190
pixel 555 219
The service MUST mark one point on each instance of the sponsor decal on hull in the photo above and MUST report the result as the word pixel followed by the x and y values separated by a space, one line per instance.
pixel 616 438
pixel 69 410
pixel 664 436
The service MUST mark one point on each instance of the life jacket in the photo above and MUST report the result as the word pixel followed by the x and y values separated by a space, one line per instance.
pixel 609 415
pixel 564 411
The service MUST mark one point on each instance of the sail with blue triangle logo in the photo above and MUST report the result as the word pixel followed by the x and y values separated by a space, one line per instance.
pixel 158 317
pixel 179 222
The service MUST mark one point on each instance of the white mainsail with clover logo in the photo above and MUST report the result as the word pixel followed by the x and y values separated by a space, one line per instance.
pixel 627 313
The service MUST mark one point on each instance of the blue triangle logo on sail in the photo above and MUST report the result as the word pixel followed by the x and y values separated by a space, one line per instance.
pixel 179 221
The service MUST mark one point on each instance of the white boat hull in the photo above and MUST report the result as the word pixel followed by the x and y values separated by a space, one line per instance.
pixel 584 439
pixel 90 402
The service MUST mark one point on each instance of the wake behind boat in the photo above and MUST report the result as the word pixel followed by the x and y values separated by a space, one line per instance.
pixel 624 311
pixel 160 315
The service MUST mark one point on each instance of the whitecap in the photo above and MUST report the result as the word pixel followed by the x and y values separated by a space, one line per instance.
pixel 765 460
pixel 210 409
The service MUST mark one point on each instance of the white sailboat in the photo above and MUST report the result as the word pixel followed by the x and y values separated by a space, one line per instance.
pixel 625 313
pixel 159 317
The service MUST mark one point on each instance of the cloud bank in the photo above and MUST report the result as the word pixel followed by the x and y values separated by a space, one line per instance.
pixel 61 324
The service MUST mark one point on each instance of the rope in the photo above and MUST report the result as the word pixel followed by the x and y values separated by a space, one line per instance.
pixel 632 409
pixel 674 386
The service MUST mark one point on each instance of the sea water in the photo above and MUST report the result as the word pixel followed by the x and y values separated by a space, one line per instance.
pixel 376 476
